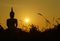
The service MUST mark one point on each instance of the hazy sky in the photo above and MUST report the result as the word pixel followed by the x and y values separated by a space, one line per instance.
pixel 30 9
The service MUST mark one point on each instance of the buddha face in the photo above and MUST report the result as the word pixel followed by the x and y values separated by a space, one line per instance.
pixel 11 15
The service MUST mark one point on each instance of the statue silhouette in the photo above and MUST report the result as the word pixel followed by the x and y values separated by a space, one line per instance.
pixel 12 22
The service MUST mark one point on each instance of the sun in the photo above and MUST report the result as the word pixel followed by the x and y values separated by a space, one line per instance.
pixel 26 20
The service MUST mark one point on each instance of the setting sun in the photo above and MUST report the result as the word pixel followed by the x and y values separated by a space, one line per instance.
pixel 26 20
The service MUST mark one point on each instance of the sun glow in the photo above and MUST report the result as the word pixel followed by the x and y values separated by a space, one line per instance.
pixel 26 20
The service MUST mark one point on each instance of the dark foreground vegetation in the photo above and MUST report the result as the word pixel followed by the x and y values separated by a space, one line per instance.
pixel 33 35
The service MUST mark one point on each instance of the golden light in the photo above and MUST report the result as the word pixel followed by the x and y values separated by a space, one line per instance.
pixel 26 20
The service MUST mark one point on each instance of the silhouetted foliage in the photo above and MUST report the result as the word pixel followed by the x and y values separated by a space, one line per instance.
pixel 33 29
pixel 1 28
pixel 33 35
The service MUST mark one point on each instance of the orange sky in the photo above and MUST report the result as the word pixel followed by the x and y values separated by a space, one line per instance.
pixel 30 9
